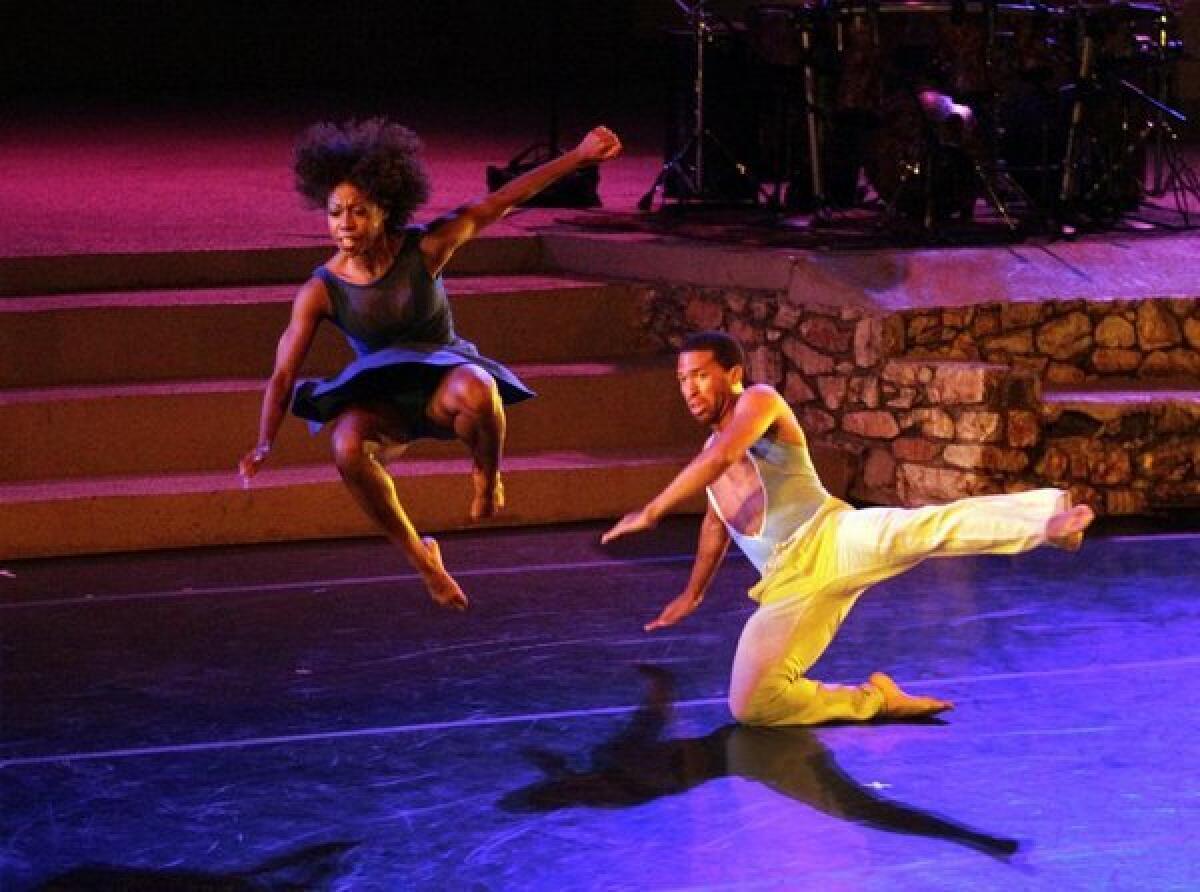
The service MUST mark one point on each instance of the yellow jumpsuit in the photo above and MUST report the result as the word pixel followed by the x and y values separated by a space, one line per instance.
pixel 813 573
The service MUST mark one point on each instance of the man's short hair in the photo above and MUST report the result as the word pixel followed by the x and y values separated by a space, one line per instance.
pixel 725 350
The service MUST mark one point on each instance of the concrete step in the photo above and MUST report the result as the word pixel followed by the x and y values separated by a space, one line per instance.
pixel 1125 446
pixel 309 502
pixel 1106 400
pixel 1129 409
pixel 487 255
pixel 178 427
pixel 232 332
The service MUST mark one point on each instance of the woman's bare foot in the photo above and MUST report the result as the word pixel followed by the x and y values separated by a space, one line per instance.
pixel 897 704
pixel 488 500
pixel 442 587
pixel 1065 529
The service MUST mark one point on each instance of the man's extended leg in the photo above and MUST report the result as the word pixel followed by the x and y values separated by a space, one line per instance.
pixel 851 550
pixel 816 579
pixel 874 544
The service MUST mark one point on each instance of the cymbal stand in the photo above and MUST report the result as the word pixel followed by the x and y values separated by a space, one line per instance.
pixel 816 161
pixel 687 166
pixel 1162 145
pixel 1083 84
pixel 993 176
pixel 1180 179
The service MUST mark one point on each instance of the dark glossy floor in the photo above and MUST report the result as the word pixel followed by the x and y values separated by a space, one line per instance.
pixel 298 717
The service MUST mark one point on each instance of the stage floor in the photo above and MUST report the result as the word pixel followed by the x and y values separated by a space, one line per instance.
pixel 300 717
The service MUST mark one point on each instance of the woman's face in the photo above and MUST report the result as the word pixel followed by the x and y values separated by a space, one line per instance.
pixel 356 222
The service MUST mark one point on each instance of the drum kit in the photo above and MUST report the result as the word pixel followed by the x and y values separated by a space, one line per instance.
pixel 1055 115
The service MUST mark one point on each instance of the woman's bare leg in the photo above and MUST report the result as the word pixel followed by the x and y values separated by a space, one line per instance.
pixel 360 444
pixel 468 403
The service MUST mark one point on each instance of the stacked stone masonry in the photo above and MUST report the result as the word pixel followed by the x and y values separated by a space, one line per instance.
pixel 1101 398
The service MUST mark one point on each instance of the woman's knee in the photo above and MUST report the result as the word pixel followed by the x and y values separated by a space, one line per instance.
pixel 350 444
pixel 470 388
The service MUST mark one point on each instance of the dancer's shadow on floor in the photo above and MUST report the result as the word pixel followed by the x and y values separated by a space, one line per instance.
pixel 310 869
pixel 638 766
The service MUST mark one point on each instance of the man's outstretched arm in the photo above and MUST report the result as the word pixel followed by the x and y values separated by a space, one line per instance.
pixel 756 410
pixel 710 550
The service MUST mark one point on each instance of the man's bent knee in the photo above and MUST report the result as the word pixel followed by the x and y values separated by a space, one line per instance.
pixel 743 710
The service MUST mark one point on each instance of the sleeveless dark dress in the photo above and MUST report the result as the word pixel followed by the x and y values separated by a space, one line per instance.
pixel 402 333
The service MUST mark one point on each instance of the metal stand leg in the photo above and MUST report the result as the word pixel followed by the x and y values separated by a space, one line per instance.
pixel 693 181
pixel 1070 174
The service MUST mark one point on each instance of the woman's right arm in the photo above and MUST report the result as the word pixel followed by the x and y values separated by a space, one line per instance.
pixel 308 309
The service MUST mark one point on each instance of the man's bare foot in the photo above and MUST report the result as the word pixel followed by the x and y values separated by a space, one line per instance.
pixel 488 500
pixel 897 704
pixel 1065 529
pixel 442 587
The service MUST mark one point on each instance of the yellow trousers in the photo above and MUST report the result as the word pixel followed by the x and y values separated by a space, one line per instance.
pixel 817 575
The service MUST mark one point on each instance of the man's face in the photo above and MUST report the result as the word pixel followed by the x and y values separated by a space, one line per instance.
pixel 706 387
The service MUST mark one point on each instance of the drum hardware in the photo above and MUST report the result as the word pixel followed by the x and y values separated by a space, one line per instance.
pixel 815 157
pixel 1083 85
pixel 1109 149
pixel 1162 46
pixel 941 182
pixel 792 58
pixel 1158 135
pixel 995 180
pixel 1066 106
pixel 1173 175
pixel 1028 152
pixel 686 169
pixel 893 54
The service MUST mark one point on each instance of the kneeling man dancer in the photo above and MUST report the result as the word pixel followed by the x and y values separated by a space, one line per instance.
pixel 815 553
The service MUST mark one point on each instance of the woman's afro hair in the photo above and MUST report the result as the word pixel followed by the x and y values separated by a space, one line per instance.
pixel 378 156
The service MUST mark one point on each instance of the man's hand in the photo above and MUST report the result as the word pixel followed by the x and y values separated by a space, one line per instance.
pixel 633 522
pixel 682 606
pixel 600 144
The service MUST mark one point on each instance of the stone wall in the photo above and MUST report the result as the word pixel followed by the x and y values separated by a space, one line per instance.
pixel 1067 342
pixel 1123 459
pixel 948 402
